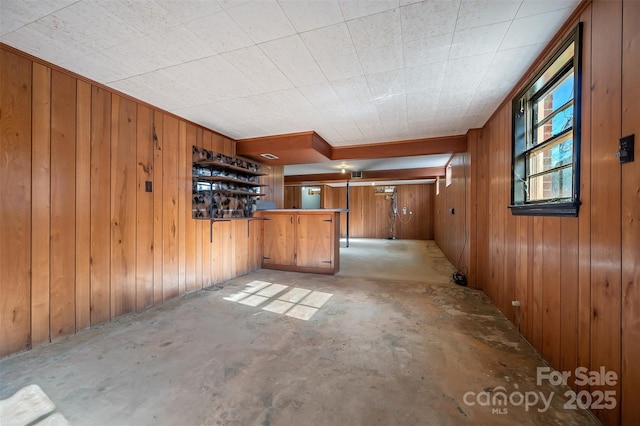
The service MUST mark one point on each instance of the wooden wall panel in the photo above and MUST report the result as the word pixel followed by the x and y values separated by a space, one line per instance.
pixel 183 186
pixel 199 236
pixel 369 215
pixel 83 206
pixel 158 209
pixel 568 308
pixel 63 214
pixel 100 206
pixel 605 195
pixel 551 290
pixel 584 218
pixel 568 271
pixel 170 278
pixel 15 203
pixel 41 203
pixel 123 206
pixel 144 208
pixel 292 197
pixel 75 161
pixel 209 261
pixel 275 179
pixel 191 284
pixel 630 215
pixel 241 246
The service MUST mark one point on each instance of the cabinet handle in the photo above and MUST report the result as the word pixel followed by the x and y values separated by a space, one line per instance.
pixel 298 220
pixel 291 219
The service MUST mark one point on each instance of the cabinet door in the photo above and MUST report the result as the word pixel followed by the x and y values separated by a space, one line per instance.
pixel 279 240
pixel 314 240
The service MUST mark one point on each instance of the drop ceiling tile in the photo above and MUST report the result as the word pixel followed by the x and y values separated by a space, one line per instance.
pixel 534 29
pixel 292 57
pixel 478 13
pixel 329 41
pixel 380 59
pixel 17 13
pixel 262 20
pixel 220 32
pixel 339 67
pixel 159 50
pixel 427 50
pixel 425 77
pixel 393 112
pixel 257 67
pixel 312 14
pixel 381 29
pixel 478 40
pixel 428 18
pixel 33 39
pixel 352 9
pixel 90 24
pixel 188 10
pixel 145 16
pixel 422 105
pixel 105 68
pixel 321 95
pixel 536 7
pixel 458 100
pixel 352 90
pixel 227 4
pixel 508 66
pixel 227 82
pixel 386 84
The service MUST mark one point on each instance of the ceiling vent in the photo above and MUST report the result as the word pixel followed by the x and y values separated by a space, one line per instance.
pixel 356 175
pixel 269 156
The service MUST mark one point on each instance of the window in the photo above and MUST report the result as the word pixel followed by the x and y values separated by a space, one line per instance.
pixel 546 137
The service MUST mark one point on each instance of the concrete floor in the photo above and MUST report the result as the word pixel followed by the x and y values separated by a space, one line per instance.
pixel 395 344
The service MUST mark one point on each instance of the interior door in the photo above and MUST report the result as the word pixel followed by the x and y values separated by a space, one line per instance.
pixel 279 238
pixel 314 240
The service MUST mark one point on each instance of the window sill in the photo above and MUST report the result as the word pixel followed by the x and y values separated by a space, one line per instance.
pixel 546 209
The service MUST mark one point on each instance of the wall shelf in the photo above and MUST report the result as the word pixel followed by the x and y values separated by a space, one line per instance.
pixel 224 187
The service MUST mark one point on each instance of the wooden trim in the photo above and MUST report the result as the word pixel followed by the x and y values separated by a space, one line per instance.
pixel 371 175
pixel 404 148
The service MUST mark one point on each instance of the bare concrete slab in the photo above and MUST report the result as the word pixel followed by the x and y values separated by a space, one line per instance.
pixel 385 350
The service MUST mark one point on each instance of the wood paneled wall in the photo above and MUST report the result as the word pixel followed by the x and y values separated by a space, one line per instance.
pixel 453 215
pixel 369 214
pixel 577 279
pixel 82 242
pixel 275 191
pixel 292 197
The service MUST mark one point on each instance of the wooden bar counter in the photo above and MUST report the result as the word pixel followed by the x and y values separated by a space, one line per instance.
pixel 301 240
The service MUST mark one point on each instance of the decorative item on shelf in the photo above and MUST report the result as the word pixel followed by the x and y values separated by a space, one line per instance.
pixel 224 187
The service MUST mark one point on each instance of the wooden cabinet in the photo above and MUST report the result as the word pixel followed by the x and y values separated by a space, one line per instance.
pixel 279 240
pixel 303 241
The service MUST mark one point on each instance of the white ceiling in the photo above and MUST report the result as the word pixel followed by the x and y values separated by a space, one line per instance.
pixel 354 71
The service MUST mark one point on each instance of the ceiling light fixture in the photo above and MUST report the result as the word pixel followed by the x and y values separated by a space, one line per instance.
pixel 269 156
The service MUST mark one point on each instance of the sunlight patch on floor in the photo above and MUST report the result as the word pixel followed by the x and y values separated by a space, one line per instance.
pixel 297 303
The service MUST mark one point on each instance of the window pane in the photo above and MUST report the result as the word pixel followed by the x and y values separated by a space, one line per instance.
pixel 553 69
pixel 556 125
pixel 550 102
pixel 551 156
pixel 556 185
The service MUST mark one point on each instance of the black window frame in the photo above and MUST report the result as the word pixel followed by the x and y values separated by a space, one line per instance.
pixel 522 129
